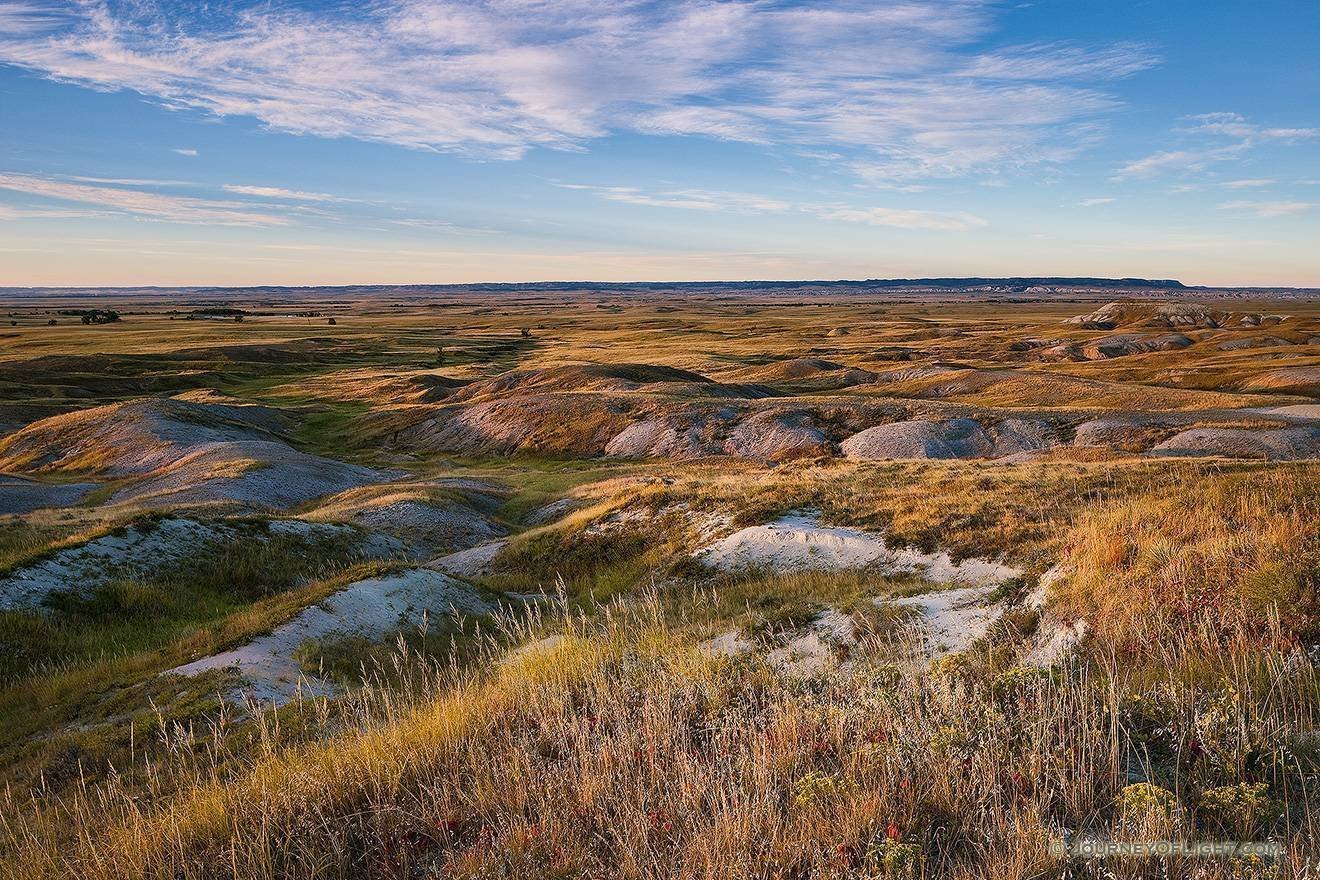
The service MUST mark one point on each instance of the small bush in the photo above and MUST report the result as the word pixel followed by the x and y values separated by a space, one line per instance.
pixel 1241 809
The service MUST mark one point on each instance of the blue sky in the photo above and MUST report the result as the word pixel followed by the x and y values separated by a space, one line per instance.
pixel 149 142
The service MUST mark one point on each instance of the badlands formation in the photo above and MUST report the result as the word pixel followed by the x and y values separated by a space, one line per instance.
pixel 241 540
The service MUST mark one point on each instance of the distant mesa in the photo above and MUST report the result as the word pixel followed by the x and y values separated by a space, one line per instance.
pixel 1180 316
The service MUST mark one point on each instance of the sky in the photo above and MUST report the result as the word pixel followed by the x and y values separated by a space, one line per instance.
pixel 145 142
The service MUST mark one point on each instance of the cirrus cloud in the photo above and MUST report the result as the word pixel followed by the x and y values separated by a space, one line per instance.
pixel 139 202
pixel 1268 209
pixel 903 218
pixel 896 86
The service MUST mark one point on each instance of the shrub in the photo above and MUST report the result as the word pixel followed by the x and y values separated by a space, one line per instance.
pixel 1241 809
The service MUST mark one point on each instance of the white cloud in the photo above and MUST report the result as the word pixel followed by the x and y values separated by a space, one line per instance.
pixel 745 203
pixel 1211 131
pixel 442 226
pixel 17 17
pixel 275 192
pixel 1091 203
pixel 184 151
pixel 898 88
pixel 1249 183
pixel 138 202
pixel 1236 125
pixel 1061 61
pixel 902 218
pixel 1268 209
pixel 691 199
pixel 1166 160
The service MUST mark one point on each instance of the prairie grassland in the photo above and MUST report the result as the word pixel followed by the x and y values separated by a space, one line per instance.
pixel 619 749
pixel 599 736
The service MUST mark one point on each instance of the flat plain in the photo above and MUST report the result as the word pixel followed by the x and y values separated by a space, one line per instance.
pixel 656 581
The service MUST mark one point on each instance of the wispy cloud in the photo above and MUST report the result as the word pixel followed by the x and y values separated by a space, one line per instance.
pixel 1236 125
pixel 1248 183
pixel 275 192
pixel 1214 138
pixel 1164 161
pixel 1060 61
pixel 899 90
pixel 690 199
pixel 184 151
pixel 441 226
pixel 902 218
pixel 18 17
pixel 1091 203
pixel 1268 209
pixel 745 203
pixel 139 202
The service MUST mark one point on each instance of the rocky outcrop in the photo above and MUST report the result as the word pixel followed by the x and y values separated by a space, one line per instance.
pixel 560 424
pixel 1120 345
pixel 778 436
pixel 576 379
pixel 957 438
pixel 1149 314
pixel 177 452
pixel 1129 435
pixel 20 495
pixel 1016 436
pixel 1275 445
pixel 673 435
pixel 138 437
pixel 1286 380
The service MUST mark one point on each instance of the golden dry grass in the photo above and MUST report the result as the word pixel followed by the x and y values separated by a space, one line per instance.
pixel 623 750
pixel 1223 553
pixel 620 750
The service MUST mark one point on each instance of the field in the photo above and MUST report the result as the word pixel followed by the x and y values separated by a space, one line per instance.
pixel 685 581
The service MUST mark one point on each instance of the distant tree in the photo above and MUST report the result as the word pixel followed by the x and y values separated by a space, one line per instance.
pixel 96 316
pixel 238 319
pixel 51 323
pixel 440 356
pixel 332 322
pixel 526 332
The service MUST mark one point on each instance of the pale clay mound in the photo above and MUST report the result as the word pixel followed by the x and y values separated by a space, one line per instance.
pixel 1121 345
pixel 548 513
pixel 1180 315
pixel 259 474
pixel 1286 380
pixel 955 438
pixel 777 436
pixel 1128 434
pixel 431 516
pixel 951 620
pixel 185 451
pixel 671 435
pixel 1277 445
pixel 1294 412
pixel 369 609
pixel 469 563
pixel 799 541
pixel 20 495
pixel 429 525
pixel 946 622
pixel 135 438
pixel 149 551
